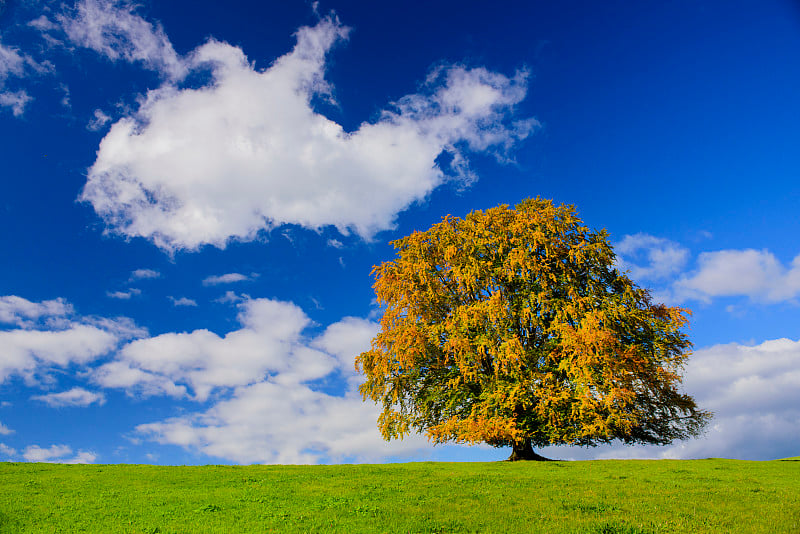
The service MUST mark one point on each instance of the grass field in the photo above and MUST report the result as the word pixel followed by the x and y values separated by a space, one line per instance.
pixel 606 497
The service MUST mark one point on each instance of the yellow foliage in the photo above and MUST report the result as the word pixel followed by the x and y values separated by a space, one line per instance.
pixel 512 325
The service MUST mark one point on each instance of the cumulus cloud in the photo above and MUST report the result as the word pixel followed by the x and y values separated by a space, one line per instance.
pixel 268 342
pixel 183 301
pixel 5 450
pixel 267 381
pixel 4 430
pixel 113 29
pixel 270 422
pixel 74 397
pixel 757 274
pixel 49 335
pixel 647 257
pixel 248 152
pixel 21 312
pixel 57 454
pixel 228 278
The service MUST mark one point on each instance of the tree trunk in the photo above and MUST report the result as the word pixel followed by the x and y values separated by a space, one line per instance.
pixel 524 451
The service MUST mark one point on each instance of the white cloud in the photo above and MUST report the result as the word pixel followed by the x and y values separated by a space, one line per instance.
pixel 757 274
pixel 59 339
pixel 268 342
pixel 4 430
pixel 98 120
pixel 231 298
pixel 16 100
pixel 14 64
pixel 6 450
pixel 26 351
pixel 346 339
pixel 335 243
pixel 275 411
pixel 248 152
pixel 19 311
pixel 43 24
pixel 34 453
pixel 113 29
pixel 83 457
pixel 124 295
pixel 225 279
pixel 650 258
pixel 57 454
pixel 271 422
pixel 11 62
pixel 74 397
pixel 144 274
pixel 183 301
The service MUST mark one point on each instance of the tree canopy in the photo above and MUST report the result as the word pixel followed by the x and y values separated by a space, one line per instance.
pixel 514 327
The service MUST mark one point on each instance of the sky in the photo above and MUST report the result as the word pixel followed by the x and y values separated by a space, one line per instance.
pixel 193 198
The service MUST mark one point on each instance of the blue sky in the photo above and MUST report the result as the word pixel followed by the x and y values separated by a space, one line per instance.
pixel 193 198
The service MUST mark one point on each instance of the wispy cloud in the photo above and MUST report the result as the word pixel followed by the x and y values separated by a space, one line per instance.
pixel 74 397
pixel 228 278
pixel 12 64
pixel 144 274
pixel 113 29
pixel 647 257
pixel 124 295
pixel 231 297
pixel 4 430
pixel 57 454
pixel 183 301
pixel 249 152
pixel 98 121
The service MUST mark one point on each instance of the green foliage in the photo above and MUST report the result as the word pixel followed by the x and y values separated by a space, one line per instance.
pixel 513 326
pixel 621 497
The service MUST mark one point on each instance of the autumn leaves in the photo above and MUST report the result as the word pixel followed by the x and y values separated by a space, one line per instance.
pixel 512 325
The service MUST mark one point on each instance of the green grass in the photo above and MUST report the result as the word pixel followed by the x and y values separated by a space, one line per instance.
pixel 602 497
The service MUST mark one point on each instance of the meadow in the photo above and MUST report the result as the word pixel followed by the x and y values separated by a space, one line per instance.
pixel 603 497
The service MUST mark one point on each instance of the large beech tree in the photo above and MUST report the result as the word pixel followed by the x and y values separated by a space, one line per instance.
pixel 513 327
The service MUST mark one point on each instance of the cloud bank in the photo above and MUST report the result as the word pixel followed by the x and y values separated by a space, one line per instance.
pixel 267 383
pixel 248 151
pixel 47 335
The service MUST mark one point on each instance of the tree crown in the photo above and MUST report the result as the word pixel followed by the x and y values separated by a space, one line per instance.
pixel 514 324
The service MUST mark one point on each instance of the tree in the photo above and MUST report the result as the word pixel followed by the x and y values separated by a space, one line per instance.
pixel 513 327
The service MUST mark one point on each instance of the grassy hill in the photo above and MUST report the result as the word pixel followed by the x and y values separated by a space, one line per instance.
pixel 553 497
